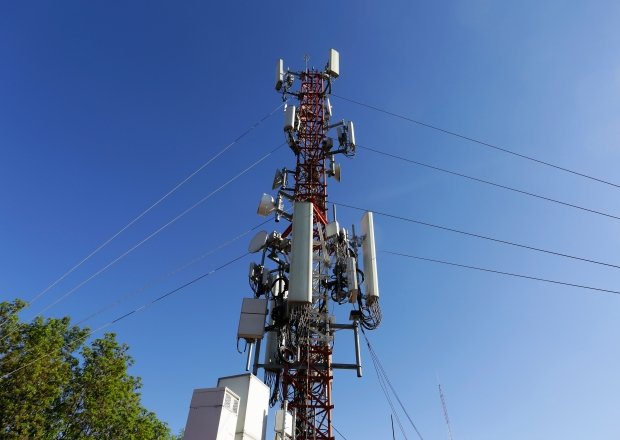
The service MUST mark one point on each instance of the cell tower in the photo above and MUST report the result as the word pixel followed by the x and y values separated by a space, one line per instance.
pixel 311 262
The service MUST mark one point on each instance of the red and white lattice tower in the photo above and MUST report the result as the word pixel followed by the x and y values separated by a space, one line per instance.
pixel 311 263
pixel 307 385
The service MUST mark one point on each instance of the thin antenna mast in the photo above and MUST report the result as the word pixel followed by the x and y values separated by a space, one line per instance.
pixel 445 410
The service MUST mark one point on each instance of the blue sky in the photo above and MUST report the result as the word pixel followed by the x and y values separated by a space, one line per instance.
pixel 104 106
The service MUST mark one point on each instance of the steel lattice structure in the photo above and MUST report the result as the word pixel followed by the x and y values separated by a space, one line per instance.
pixel 298 290
pixel 307 384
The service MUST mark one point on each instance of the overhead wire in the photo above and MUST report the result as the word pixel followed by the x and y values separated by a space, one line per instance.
pixel 157 202
pixel 153 234
pixel 161 228
pixel 166 276
pixel 170 274
pixel 478 141
pixel 383 387
pixel 488 182
pixel 338 432
pixel 132 312
pixel 480 236
pixel 499 272
pixel 375 358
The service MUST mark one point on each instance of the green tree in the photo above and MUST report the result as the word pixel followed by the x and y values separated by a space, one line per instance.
pixel 54 385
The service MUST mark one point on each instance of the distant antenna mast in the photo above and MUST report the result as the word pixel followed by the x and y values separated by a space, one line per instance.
pixel 445 411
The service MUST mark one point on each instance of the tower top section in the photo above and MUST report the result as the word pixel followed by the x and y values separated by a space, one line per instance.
pixel 307 127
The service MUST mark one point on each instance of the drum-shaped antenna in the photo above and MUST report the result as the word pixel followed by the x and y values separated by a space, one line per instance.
pixel 258 242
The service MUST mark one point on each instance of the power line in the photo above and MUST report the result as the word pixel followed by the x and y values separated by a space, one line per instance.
pixel 161 199
pixel 165 277
pixel 377 361
pixel 487 182
pixel 134 311
pixel 170 274
pixel 387 396
pixel 156 232
pixel 339 433
pixel 483 237
pixel 503 273
pixel 477 141
pixel 140 243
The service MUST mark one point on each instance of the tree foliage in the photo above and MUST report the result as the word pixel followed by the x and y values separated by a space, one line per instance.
pixel 54 385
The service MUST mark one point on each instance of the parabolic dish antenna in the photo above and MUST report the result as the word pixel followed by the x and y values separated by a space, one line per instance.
pixel 258 242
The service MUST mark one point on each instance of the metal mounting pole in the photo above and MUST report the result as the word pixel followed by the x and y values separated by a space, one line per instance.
pixel 358 356
pixel 249 360
pixel 256 358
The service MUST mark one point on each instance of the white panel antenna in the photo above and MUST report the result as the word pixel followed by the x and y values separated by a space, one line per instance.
pixel 328 110
pixel 283 425
pixel 351 274
pixel 279 73
pixel 334 169
pixel 332 229
pixel 252 320
pixel 300 279
pixel 370 256
pixel 289 118
pixel 333 65
pixel 351 133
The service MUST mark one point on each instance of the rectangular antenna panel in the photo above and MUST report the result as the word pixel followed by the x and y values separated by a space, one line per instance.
pixel 284 423
pixel 289 118
pixel 351 133
pixel 370 256
pixel 333 65
pixel 351 274
pixel 271 361
pixel 332 229
pixel 252 320
pixel 328 109
pixel 300 282
pixel 279 73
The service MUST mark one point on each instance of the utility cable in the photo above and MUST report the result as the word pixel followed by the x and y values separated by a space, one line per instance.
pixel 387 396
pixel 140 243
pixel 487 182
pixel 339 433
pixel 154 282
pixel 483 237
pixel 143 213
pixel 156 232
pixel 375 358
pixel 134 311
pixel 477 141
pixel 503 273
